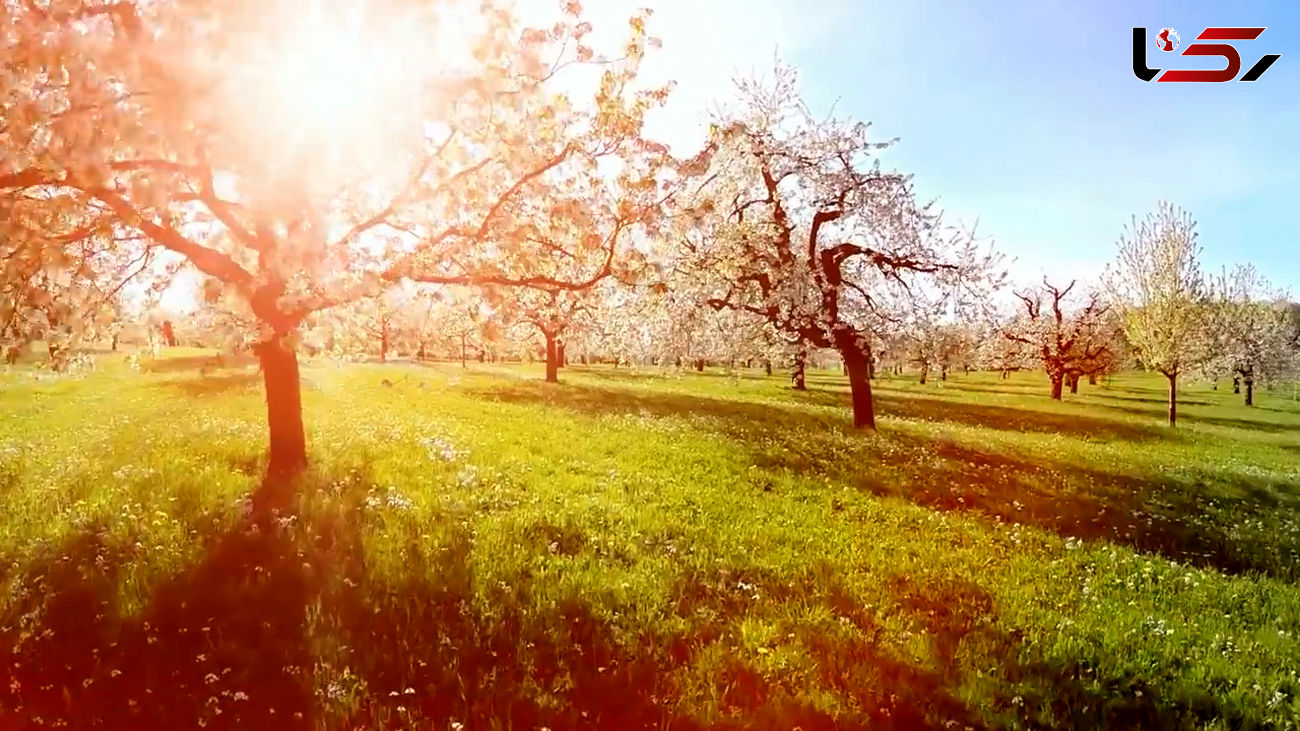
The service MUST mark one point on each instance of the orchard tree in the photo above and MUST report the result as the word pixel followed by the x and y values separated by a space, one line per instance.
pixel 800 226
pixel 1159 292
pixel 303 155
pixel 63 272
pixel 451 320
pixel 996 352
pixel 554 313
pixel 930 329
pixel 1065 337
pixel 1252 331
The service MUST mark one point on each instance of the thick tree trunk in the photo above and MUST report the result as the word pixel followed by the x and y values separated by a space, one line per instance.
pixel 1173 399
pixel 1074 384
pixel 552 359
pixel 925 373
pixel 1057 383
pixel 798 377
pixel 857 364
pixel 699 365
pixel 1250 392
pixel 1092 379
pixel 562 361
pixel 288 454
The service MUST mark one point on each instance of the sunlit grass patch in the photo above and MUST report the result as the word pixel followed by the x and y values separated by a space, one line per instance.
pixel 639 550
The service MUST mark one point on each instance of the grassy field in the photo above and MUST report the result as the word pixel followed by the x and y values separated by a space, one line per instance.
pixel 477 549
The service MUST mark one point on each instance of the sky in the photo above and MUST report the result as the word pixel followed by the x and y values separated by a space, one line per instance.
pixel 1025 116
pixel 1022 116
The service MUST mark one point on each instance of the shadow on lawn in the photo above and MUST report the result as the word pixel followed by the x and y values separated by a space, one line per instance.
pixel 257 634
pixel 912 405
pixel 1138 510
pixel 218 384
pixel 1186 419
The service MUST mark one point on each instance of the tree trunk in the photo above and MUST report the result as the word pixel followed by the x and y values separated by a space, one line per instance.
pixel 699 365
pixel 797 378
pixel 767 367
pixel 1074 384
pixel 114 342
pixel 857 365
pixel 1005 374
pixel 925 373
pixel 552 358
pixel 1173 399
pixel 1057 382
pixel 562 360
pixel 943 373
pixel 1250 392
pixel 288 455
pixel 1236 384
pixel 383 342
pixel 1092 379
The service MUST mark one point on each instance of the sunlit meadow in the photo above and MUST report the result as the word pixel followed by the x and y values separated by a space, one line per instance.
pixel 474 548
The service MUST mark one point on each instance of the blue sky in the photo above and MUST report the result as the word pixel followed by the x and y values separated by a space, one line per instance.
pixel 1027 115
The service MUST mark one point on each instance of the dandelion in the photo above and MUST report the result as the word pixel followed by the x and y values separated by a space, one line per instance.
pixel 467 477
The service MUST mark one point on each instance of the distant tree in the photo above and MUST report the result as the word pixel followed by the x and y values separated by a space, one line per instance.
pixel 1159 292
pixel 1067 340
pixel 801 227
pixel 1252 331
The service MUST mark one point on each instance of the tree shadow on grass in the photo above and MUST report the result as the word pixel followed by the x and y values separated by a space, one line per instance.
pixel 1159 403
pixel 1189 419
pixel 195 362
pixel 1004 418
pixel 217 384
pixel 287 624
pixel 1140 510
pixel 221 644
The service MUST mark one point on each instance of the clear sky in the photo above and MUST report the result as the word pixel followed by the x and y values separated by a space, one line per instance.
pixel 1027 115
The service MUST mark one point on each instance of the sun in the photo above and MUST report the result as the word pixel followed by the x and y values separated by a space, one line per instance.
pixel 330 77
pixel 320 89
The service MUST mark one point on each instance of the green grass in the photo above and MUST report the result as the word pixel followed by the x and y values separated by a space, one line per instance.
pixel 646 550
